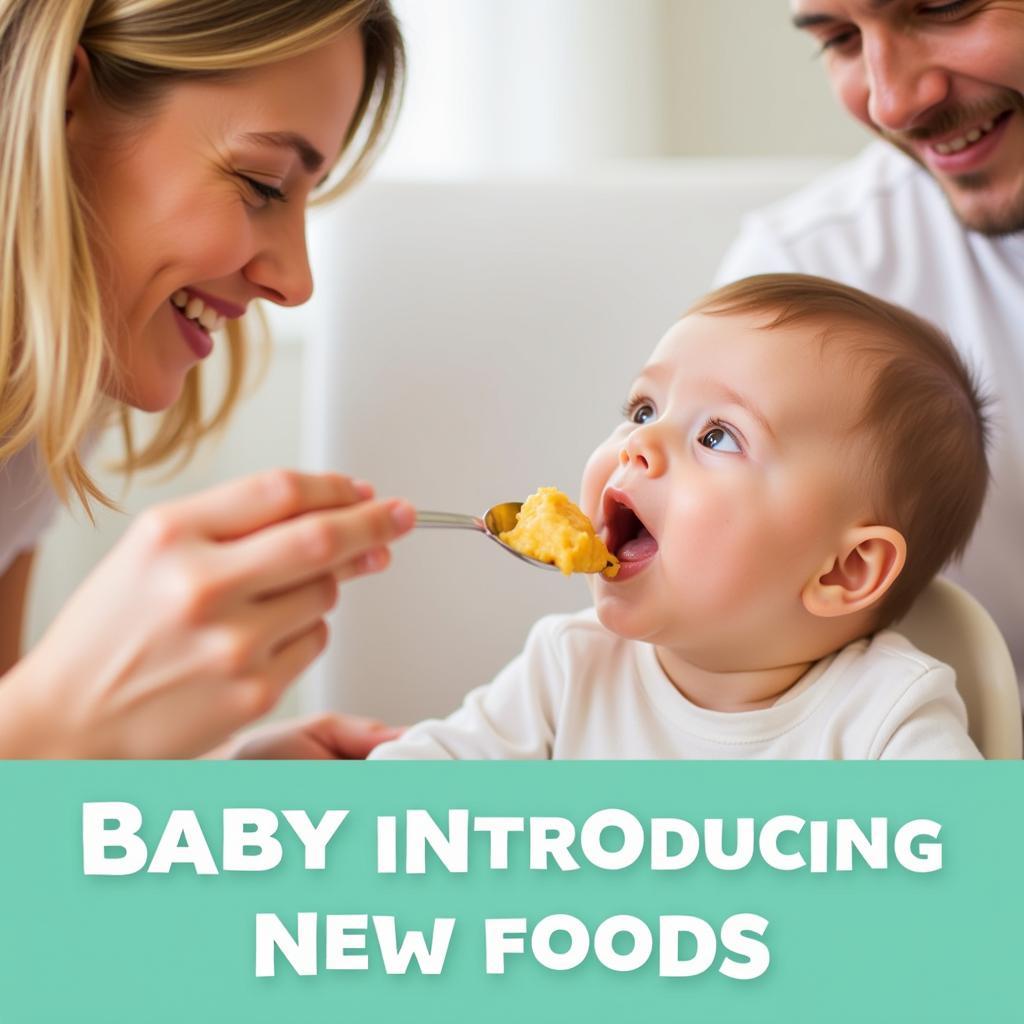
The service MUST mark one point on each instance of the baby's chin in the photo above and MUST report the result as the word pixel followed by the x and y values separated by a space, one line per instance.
pixel 618 615
pixel 630 621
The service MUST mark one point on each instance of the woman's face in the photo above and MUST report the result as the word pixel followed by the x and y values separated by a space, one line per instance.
pixel 201 204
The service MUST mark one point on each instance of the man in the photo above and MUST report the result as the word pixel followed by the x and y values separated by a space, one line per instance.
pixel 931 217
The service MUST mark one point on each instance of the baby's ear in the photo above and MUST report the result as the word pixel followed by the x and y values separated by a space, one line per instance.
pixel 865 568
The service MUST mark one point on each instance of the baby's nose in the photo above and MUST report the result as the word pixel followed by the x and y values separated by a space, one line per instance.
pixel 641 460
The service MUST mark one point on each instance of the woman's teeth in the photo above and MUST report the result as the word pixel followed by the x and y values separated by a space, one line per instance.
pixel 963 141
pixel 195 309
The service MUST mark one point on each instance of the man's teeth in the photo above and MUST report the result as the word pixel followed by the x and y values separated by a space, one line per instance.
pixel 963 141
pixel 195 309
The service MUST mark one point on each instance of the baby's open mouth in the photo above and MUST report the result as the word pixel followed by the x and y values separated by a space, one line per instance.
pixel 626 536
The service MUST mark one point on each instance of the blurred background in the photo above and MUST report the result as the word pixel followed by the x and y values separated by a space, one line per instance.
pixel 531 90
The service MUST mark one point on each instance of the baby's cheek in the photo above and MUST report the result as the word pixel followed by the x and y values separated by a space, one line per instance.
pixel 708 556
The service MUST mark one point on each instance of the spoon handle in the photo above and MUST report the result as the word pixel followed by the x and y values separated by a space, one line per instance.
pixel 449 521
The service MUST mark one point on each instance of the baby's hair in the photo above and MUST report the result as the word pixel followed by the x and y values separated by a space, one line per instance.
pixel 925 413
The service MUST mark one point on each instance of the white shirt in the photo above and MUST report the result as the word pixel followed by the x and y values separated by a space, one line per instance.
pixel 27 504
pixel 882 224
pixel 578 691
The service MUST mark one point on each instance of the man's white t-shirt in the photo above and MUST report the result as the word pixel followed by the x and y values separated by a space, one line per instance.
pixel 882 224
pixel 578 691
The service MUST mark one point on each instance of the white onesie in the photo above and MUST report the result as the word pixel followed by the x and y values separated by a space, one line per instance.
pixel 578 691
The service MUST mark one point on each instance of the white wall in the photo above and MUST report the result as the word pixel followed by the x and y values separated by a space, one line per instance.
pixel 530 84
pixel 497 85
pixel 744 82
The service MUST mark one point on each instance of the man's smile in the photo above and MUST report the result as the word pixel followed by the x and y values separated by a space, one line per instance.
pixel 960 141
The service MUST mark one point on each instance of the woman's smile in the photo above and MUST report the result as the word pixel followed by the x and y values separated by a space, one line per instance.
pixel 198 315
pixel 196 336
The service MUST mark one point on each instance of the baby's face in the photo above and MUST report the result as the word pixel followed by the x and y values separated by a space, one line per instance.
pixel 734 473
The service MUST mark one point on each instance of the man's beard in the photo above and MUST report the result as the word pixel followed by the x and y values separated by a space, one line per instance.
pixel 1009 218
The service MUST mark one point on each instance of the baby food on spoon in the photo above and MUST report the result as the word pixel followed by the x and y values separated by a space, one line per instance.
pixel 550 528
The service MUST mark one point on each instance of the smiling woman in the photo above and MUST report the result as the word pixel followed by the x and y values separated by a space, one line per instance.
pixel 168 152
pixel 199 195
pixel 158 157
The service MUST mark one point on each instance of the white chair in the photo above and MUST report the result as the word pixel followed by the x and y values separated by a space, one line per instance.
pixel 949 624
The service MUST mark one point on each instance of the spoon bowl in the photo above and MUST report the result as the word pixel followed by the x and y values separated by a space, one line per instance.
pixel 497 519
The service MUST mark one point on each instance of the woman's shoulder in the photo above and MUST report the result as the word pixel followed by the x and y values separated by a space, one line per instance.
pixel 28 503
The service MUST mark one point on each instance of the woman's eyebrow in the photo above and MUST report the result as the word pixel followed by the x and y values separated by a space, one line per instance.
pixel 311 157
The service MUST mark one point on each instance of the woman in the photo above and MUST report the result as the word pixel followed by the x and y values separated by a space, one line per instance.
pixel 157 159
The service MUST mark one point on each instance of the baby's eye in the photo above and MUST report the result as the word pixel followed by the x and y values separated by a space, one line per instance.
pixel 720 439
pixel 643 413
pixel 639 411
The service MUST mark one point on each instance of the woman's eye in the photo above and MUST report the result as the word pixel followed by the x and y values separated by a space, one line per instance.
pixel 263 190
pixel 720 439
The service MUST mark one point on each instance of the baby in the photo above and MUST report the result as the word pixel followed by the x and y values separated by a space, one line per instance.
pixel 796 462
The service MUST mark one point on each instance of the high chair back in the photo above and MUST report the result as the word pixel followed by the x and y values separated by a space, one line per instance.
pixel 949 624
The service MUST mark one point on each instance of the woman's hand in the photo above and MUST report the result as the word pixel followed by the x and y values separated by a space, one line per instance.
pixel 198 620
pixel 322 737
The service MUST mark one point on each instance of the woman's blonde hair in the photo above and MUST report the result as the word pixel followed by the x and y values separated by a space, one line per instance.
pixel 53 339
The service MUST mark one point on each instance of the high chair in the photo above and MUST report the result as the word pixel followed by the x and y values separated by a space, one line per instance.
pixel 949 624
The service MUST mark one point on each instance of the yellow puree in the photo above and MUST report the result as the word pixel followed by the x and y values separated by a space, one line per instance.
pixel 550 528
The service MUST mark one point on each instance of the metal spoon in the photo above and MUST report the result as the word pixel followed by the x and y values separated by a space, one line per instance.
pixel 496 519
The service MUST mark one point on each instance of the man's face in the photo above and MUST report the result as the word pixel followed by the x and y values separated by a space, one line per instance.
pixel 727 485
pixel 942 81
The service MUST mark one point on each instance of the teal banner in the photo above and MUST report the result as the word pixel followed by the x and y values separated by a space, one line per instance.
pixel 597 891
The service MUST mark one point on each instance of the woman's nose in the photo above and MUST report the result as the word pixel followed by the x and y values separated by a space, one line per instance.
pixel 903 80
pixel 280 269
pixel 644 451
